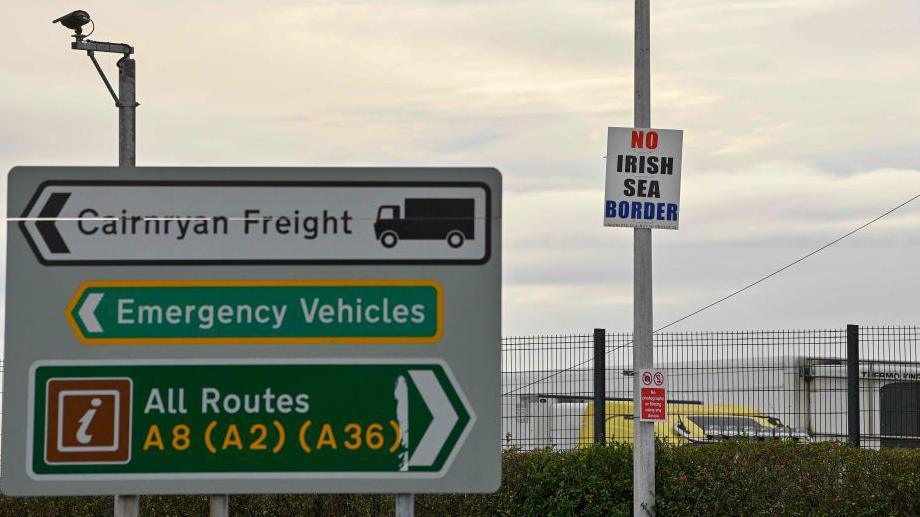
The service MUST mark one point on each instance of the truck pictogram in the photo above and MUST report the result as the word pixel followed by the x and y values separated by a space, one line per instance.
pixel 450 219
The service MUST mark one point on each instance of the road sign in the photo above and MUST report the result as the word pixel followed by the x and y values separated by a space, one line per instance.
pixel 258 222
pixel 236 330
pixel 294 419
pixel 259 312
pixel 654 395
pixel 643 177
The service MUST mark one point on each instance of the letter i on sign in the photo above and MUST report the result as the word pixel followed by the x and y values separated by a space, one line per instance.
pixel 82 436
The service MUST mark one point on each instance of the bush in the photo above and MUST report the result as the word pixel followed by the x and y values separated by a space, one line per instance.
pixel 729 478
pixel 789 479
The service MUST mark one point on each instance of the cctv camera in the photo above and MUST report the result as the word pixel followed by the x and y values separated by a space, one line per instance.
pixel 74 20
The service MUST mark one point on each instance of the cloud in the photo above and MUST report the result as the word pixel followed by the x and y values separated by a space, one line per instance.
pixel 797 117
pixel 563 266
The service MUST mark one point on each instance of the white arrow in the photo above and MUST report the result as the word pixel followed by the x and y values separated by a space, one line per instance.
pixel 87 312
pixel 443 418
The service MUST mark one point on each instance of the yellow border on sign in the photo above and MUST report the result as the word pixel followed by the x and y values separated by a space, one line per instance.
pixel 393 340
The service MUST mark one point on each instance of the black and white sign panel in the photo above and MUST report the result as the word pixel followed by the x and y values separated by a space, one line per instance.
pixel 643 178
pixel 123 222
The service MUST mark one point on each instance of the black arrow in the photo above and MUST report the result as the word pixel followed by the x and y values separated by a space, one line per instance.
pixel 47 229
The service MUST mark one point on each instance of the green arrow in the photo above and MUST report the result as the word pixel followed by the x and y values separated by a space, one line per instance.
pixel 300 418
pixel 155 312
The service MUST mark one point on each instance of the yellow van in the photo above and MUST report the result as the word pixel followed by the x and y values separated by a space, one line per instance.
pixel 690 423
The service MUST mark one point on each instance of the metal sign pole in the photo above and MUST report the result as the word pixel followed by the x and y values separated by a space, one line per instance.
pixel 220 506
pixel 405 505
pixel 126 505
pixel 643 353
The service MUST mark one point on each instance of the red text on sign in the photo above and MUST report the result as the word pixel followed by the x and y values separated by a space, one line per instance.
pixel 647 139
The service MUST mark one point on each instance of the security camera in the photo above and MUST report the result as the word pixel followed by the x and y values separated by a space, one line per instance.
pixel 74 20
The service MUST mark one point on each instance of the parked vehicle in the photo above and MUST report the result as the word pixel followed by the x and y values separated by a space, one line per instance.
pixel 691 423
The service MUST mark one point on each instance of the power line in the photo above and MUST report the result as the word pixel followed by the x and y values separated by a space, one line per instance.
pixel 733 294
pixel 787 266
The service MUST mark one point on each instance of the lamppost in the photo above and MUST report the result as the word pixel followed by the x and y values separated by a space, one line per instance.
pixel 125 505
pixel 125 99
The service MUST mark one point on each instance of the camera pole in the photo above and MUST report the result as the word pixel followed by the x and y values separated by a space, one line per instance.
pixel 126 102
pixel 126 505
pixel 127 107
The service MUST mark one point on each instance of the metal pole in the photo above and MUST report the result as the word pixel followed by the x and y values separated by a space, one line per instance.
pixel 127 106
pixel 126 505
pixel 220 506
pixel 853 384
pixel 600 386
pixel 643 353
pixel 405 505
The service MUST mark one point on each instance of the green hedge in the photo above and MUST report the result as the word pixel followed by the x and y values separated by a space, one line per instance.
pixel 729 478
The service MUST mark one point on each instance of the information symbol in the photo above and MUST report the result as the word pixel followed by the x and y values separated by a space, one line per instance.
pixel 82 436
pixel 87 420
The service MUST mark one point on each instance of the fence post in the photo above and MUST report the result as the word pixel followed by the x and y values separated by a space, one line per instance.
pixel 600 386
pixel 853 384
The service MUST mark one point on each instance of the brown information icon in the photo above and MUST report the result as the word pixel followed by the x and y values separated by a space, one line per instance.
pixel 88 420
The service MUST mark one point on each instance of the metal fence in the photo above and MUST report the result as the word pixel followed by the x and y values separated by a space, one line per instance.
pixel 755 385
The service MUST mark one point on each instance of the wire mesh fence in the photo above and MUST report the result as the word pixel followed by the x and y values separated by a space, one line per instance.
pixel 755 385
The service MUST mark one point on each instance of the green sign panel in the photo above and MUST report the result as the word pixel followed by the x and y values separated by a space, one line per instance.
pixel 257 312
pixel 300 419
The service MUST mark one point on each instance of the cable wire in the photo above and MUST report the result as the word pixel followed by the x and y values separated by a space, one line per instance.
pixel 733 294
pixel 787 266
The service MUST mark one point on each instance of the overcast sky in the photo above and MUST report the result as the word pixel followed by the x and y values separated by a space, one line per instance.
pixel 800 118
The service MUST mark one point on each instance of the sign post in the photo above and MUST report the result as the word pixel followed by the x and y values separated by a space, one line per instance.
pixel 224 331
pixel 642 192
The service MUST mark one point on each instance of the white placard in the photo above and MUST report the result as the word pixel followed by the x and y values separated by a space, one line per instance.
pixel 643 177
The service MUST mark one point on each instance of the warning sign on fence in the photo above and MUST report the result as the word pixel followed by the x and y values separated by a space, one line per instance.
pixel 653 395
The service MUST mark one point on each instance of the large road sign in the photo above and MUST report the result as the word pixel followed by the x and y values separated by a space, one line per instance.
pixel 186 330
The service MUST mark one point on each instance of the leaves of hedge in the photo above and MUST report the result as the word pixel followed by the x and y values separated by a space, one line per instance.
pixel 720 479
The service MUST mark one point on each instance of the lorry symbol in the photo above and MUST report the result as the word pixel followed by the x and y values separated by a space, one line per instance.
pixel 450 219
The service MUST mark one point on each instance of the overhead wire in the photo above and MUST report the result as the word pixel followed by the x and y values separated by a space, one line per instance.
pixel 729 296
